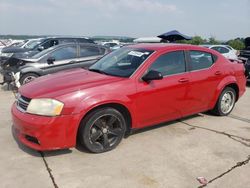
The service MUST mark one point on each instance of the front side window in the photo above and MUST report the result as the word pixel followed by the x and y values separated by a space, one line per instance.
pixel 86 51
pixel 68 52
pixel 200 60
pixel 49 44
pixel 122 62
pixel 170 63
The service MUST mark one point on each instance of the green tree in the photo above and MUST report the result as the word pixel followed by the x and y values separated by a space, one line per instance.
pixel 197 40
pixel 212 40
pixel 236 44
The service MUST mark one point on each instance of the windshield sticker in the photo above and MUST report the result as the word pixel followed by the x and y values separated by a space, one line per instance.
pixel 123 64
pixel 135 53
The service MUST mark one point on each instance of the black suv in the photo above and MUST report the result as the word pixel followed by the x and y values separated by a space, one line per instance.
pixel 51 60
pixel 9 53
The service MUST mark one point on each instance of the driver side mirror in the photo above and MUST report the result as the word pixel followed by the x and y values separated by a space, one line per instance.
pixel 51 60
pixel 152 75
pixel 40 48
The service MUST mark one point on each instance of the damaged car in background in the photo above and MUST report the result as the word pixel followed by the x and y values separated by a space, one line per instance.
pixel 60 57
pixel 36 46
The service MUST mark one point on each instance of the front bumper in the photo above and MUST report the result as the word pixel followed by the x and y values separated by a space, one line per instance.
pixel 45 133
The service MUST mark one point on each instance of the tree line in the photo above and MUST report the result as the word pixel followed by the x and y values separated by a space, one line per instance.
pixel 237 43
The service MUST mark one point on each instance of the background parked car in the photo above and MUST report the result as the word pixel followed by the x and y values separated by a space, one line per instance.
pixel 226 50
pixel 8 53
pixel 245 55
pixel 51 60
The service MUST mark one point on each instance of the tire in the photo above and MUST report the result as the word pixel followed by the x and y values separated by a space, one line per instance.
pixel 102 130
pixel 225 103
pixel 28 77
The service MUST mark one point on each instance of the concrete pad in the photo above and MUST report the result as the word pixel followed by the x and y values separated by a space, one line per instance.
pixel 20 166
pixel 173 155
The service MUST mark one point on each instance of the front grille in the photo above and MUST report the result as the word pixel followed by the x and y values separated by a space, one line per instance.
pixel 22 103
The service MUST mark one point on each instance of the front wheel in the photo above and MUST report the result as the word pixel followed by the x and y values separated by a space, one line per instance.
pixel 28 77
pixel 226 102
pixel 102 130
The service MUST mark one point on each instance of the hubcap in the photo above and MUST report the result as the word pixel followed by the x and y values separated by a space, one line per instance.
pixel 227 102
pixel 28 79
pixel 105 132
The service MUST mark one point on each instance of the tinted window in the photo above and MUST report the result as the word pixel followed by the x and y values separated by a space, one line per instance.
pixel 200 60
pixel 170 63
pixel 221 50
pixel 67 41
pixel 64 53
pixel 86 51
pixel 49 44
pixel 82 40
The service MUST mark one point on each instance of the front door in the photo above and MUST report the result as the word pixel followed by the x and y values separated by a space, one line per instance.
pixel 163 100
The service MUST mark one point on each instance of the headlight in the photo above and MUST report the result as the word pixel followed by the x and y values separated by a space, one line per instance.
pixel 45 107
pixel 6 54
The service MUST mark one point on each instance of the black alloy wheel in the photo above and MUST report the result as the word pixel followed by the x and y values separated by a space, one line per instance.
pixel 102 130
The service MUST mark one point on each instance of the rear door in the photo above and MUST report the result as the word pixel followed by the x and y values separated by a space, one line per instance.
pixel 206 74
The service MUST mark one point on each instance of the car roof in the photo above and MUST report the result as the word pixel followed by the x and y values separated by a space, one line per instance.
pixel 65 37
pixel 164 46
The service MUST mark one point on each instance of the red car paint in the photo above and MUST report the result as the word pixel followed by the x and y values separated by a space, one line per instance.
pixel 163 100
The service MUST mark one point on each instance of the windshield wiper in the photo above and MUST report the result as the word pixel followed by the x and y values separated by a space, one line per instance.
pixel 99 71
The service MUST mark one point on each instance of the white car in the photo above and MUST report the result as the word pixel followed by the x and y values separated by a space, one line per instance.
pixel 226 50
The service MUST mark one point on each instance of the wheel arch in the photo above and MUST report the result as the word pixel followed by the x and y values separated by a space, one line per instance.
pixel 33 70
pixel 118 106
pixel 228 82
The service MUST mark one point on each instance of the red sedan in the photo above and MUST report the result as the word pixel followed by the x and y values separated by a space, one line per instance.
pixel 131 88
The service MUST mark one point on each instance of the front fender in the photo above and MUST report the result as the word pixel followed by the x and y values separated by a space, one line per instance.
pixel 223 83
pixel 31 69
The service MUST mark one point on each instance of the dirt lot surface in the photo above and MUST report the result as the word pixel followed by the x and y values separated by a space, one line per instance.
pixel 170 155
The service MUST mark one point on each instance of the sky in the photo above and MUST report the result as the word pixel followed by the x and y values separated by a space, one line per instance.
pixel 222 19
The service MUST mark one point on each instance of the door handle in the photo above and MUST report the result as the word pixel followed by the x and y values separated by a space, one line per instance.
pixel 218 73
pixel 184 80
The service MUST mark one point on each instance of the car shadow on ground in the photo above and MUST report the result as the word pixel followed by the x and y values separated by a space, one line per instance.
pixel 169 123
pixel 248 84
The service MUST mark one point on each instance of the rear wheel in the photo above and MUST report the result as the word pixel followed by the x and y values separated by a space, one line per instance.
pixel 28 77
pixel 226 102
pixel 102 130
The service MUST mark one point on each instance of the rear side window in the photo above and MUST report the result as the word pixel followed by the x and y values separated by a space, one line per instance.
pixel 170 63
pixel 200 60
pixel 86 51
pixel 83 40
pixel 69 40
pixel 68 52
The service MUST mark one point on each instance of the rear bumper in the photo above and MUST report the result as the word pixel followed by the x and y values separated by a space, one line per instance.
pixel 45 133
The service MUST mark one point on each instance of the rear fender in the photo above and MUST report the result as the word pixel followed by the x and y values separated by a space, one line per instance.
pixel 226 81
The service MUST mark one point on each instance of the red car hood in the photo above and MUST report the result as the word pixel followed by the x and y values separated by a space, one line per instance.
pixel 65 82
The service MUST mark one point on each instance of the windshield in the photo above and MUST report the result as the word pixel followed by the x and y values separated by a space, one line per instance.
pixel 42 53
pixel 122 63
pixel 31 44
